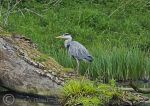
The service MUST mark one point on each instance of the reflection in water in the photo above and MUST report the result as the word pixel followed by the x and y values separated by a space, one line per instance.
pixel 14 99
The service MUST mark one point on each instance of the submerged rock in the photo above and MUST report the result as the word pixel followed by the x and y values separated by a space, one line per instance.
pixel 24 69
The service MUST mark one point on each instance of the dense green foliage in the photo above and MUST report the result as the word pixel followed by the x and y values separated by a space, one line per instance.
pixel 92 93
pixel 85 92
pixel 116 32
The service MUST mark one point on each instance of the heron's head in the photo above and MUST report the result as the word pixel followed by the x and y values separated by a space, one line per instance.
pixel 65 36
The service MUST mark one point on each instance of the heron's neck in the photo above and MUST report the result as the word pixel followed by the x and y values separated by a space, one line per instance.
pixel 67 41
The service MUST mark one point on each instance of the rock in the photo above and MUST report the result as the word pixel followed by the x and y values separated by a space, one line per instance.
pixel 21 71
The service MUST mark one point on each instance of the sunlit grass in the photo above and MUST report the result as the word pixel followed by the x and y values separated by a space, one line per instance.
pixel 87 93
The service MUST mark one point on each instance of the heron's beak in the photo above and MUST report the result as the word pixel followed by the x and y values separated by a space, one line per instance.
pixel 59 37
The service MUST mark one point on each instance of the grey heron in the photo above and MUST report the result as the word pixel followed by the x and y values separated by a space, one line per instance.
pixel 76 50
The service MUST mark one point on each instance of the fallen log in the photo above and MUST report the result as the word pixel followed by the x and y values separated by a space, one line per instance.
pixel 132 90
pixel 139 90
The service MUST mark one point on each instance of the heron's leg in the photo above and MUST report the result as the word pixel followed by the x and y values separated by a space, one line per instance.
pixel 88 74
pixel 77 67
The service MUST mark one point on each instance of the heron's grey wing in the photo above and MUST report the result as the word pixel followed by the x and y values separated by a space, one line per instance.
pixel 78 51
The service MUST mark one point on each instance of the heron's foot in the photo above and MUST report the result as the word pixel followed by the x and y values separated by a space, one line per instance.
pixel 87 74
pixel 77 72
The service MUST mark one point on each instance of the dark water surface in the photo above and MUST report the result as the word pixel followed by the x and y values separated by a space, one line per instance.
pixel 16 99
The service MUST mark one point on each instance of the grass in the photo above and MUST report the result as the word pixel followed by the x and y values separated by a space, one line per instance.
pixel 121 64
pixel 41 58
pixel 116 32
pixel 86 93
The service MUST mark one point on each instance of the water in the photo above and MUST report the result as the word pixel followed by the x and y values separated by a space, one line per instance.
pixel 16 99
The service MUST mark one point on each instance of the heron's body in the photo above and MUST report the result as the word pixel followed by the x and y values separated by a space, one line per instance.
pixel 76 50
